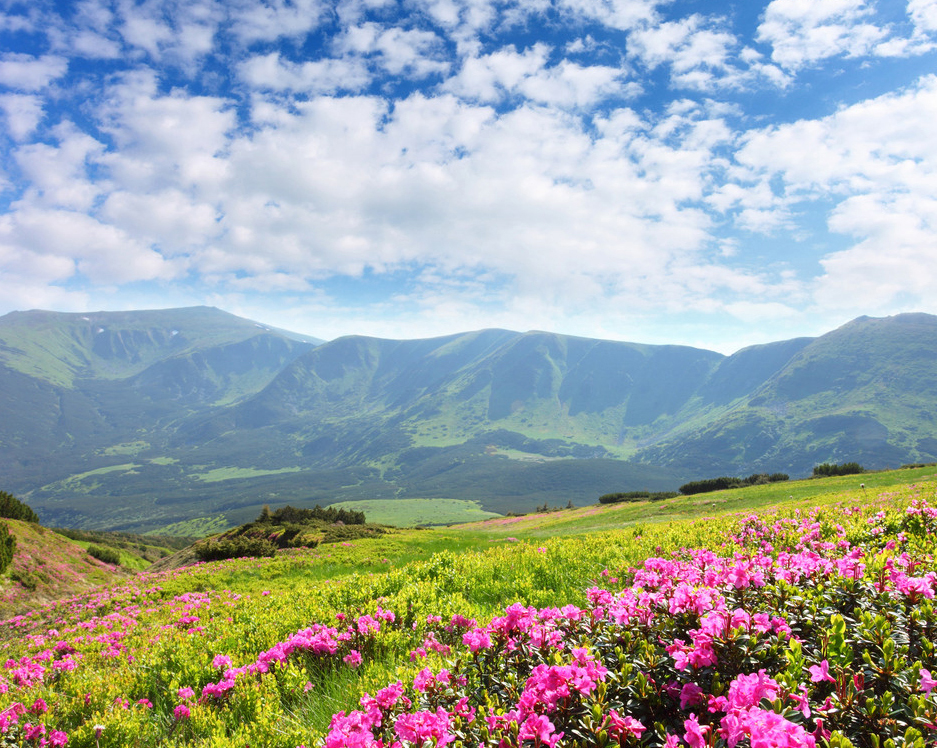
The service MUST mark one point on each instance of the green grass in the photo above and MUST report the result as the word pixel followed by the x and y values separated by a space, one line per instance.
pixel 597 518
pixel 127 448
pixel 233 473
pixel 128 561
pixel 198 527
pixel 72 482
pixel 410 512
pixel 473 569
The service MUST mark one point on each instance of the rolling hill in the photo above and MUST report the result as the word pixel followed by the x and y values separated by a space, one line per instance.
pixel 138 420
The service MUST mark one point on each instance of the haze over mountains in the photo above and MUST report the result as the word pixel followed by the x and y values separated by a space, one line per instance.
pixel 136 420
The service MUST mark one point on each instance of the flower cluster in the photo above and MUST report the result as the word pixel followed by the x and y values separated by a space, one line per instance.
pixel 812 629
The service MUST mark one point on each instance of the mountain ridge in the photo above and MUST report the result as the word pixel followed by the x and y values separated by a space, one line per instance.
pixel 236 414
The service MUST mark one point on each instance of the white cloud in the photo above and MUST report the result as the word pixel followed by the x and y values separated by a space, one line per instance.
pixel 182 32
pixel 24 72
pixel 802 32
pixel 408 52
pixel 924 15
pixel 617 14
pixel 274 19
pixel 876 161
pixel 328 76
pixel 164 140
pixel 169 219
pixel 58 174
pixel 509 73
pixel 55 245
pixel 23 113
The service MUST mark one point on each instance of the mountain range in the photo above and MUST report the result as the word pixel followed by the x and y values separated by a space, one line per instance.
pixel 139 420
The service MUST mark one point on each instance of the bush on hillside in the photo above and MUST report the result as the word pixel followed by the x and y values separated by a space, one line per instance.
pixel 726 482
pixel 107 555
pixel 847 468
pixel 615 498
pixel 7 546
pixel 292 515
pixel 13 508
pixel 234 547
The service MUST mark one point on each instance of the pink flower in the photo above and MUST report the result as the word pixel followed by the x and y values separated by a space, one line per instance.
pixel 181 712
pixel 185 692
pixel 620 726
pixel 927 682
pixel 352 659
pixel 540 729
pixel 821 672
pixel 695 734
pixel 690 695
pixel 419 727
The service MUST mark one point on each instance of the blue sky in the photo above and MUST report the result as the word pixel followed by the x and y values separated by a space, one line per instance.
pixel 715 174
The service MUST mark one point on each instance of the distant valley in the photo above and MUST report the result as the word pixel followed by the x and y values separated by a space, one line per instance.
pixel 142 420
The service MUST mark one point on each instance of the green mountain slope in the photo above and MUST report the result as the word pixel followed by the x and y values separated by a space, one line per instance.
pixel 195 413
pixel 864 392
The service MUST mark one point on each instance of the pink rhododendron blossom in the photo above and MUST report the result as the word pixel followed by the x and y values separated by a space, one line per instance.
pixel 927 681
pixel 619 726
pixel 352 659
pixel 821 672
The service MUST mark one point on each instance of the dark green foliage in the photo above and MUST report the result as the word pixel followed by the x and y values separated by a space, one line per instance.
pixel 29 581
pixel 615 498
pixel 292 515
pixel 235 547
pixel 828 469
pixel 726 482
pixel 7 546
pixel 335 533
pixel 107 555
pixel 126 540
pixel 13 508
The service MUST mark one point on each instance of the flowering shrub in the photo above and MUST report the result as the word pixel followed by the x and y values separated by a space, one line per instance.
pixel 808 628
pixel 797 649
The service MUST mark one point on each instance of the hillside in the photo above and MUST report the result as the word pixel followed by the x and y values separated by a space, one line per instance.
pixel 803 624
pixel 47 567
pixel 139 421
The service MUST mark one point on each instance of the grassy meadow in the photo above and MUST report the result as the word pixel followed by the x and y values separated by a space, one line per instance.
pixel 266 652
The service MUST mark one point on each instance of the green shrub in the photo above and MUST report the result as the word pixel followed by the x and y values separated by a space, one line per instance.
pixel 13 508
pixel 847 468
pixel 292 515
pixel 7 546
pixel 615 498
pixel 107 555
pixel 725 482
pixel 24 578
pixel 236 547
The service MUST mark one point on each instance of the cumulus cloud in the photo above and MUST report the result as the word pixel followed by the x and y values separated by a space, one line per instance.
pixel 802 32
pixel 471 159
pixel 55 245
pixel 409 52
pixel 508 73
pixel 22 112
pixel 173 139
pixel 876 161
pixel 268 21
pixel 23 72
pixel 272 72
pixel 701 55
pixel 58 173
